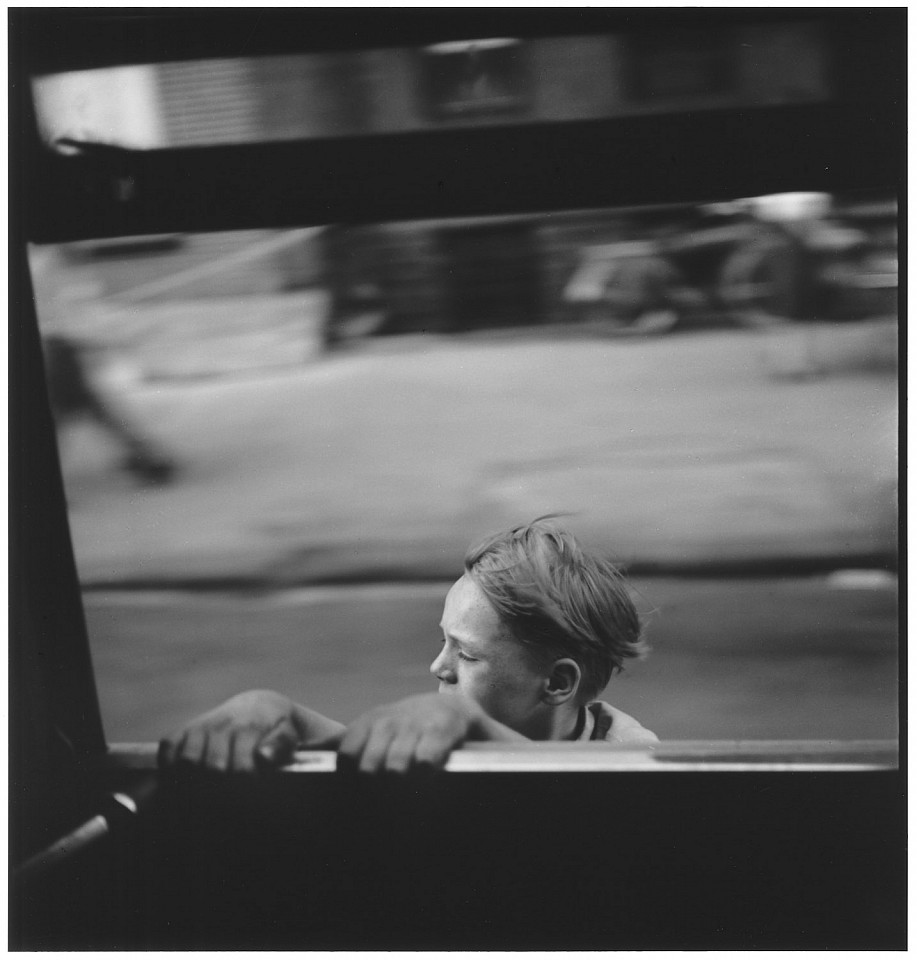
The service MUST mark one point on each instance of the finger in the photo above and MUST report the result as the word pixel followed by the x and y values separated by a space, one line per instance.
pixel 216 752
pixel 432 751
pixel 352 744
pixel 277 747
pixel 193 747
pixel 244 744
pixel 372 759
pixel 400 753
pixel 168 748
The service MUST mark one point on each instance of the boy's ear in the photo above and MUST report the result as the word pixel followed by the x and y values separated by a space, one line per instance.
pixel 562 682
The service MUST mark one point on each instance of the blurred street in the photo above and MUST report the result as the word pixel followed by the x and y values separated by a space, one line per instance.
pixel 385 461
pixel 379 465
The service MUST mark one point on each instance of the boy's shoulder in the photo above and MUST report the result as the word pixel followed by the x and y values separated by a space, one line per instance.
pixel 608 723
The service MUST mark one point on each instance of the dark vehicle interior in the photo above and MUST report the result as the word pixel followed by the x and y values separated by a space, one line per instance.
pixel 754 845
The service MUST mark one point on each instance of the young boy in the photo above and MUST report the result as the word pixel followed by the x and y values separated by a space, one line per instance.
pixel 532 633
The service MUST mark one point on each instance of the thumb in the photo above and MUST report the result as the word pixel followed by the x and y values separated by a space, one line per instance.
pixel 278 745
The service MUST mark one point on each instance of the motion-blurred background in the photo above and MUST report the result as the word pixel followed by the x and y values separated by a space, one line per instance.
pixel 277 444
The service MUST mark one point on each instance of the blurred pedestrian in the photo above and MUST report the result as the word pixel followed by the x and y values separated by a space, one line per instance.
pixel 74 396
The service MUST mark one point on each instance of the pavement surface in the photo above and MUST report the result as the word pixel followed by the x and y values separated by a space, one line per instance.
pixel 383 462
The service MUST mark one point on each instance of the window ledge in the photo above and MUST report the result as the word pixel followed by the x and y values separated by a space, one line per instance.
pixel 693 756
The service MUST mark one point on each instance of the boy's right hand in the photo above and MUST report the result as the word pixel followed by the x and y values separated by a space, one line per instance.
pixel 255 728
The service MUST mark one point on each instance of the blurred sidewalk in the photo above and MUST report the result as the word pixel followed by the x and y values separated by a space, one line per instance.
pixel 384 462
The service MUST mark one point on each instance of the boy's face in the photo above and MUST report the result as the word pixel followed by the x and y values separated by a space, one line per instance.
pixel 482 661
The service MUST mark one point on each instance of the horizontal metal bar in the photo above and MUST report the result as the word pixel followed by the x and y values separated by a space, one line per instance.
pixel 715 155
pixel 667 757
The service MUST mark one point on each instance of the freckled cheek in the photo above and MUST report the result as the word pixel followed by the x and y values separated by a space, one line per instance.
pixel 477 682
pixel 495 690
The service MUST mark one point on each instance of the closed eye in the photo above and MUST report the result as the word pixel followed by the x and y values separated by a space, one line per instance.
pixel 464 656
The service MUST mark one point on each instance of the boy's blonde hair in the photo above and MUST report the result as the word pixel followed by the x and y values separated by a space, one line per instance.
pixel 559 600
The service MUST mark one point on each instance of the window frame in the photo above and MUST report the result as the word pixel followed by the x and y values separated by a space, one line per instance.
pixel 517 169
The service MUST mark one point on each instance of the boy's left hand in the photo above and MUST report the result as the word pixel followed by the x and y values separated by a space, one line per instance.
pixel 419 732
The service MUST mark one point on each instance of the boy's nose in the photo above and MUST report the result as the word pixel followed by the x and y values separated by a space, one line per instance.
pixel 441 669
